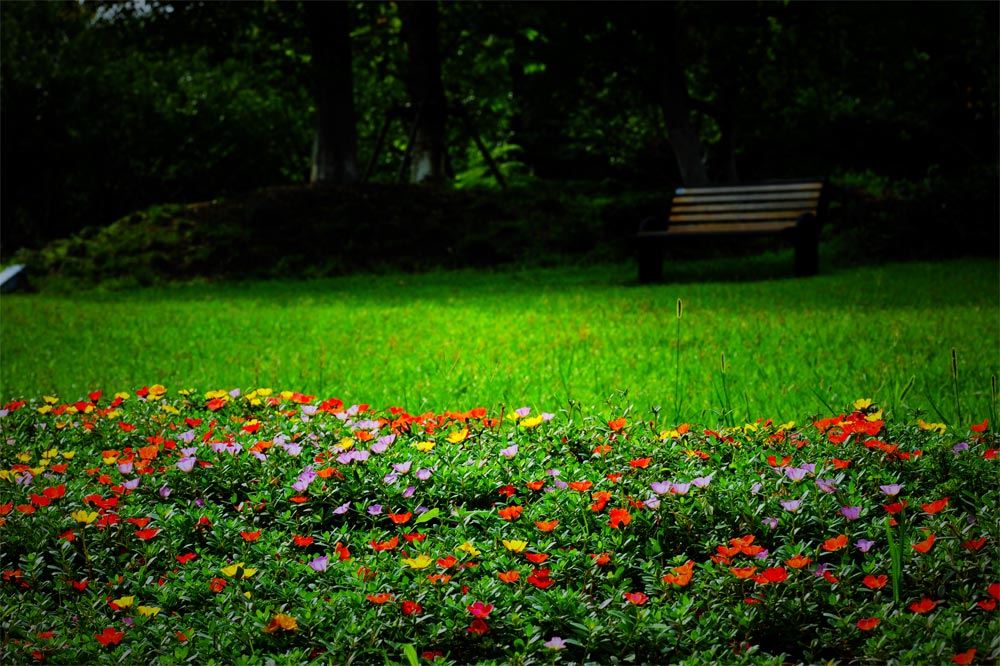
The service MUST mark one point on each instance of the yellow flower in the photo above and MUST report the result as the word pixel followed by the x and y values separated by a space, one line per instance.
pixel 532 422
pixel 185 392
pixel 113 414
pixel 247 594
pixel 468 548
pixel 5 474
pixel 233 568
pixel 787 426
pixel 863 403
pixel 749 427
pixel 61 424
pixel 45 409
pixel 72 410
pixel 35 471
pixel 111 460
pixel 419 562
pixel 156 391
pixel 146 611
pixel 49 399
pixel 263 392
pixel 458 437
pixel 88 409
pixel 936 427
pixel 170 409
pixel 345 443
pixel 68 455
pixel 212 395
pixel 669 434
pixel 124 602
pixel 123 395
pixel 286 395
pixel 423 446
pixel 84 516
pixel 874 416
pixel 513 416
pixel 515 546
pixel 23 457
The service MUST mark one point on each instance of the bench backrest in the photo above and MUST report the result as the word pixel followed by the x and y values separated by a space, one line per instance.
pixel 750 207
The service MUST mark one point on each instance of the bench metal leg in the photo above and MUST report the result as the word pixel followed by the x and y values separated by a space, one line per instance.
pixel 807 246
pixel 650 262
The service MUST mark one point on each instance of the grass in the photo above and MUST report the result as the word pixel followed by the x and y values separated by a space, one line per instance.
pixel 545 337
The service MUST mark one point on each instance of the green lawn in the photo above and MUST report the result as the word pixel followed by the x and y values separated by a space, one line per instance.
pixel 458 340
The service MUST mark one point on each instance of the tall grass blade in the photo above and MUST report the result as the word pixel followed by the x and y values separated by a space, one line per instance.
pixel 677 364
pixel 725 395
pixel 954 379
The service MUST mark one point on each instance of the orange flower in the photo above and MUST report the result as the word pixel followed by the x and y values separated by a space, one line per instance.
pixel 281 621
pixel 619 517
pixel 640 463
pixel 743 572
pixel 981 427
pixel 217 585
pixel 536 558
pixel 535 485
pixel 681 575
pixel 298 499
pixel 302 541
pixel 965 657
pixel 546 525
pixel 924 545
pixel 923 606
pixel 835 544
pixel 581 485
pixel 935 506
pixel 617 424
pixel 380 598
pixel 601 558
pixel 841 464
pixel 385 545
pixel 509 576
pixel 875 582
pixel 511 512
pixel 447 562
pixel 400 518
pixel 602 449
pixel 798 561
pixel 251 536
pixel 868 623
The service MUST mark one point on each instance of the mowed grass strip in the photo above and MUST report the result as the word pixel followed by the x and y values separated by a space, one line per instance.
pixel 541 338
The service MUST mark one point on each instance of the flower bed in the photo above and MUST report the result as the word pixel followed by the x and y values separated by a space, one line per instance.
pixel 231 527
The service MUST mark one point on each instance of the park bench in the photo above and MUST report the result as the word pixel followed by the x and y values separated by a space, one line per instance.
pixel 794 209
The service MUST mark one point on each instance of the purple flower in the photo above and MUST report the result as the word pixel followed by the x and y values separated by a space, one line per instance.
pixel 420 510
pixel 851 512
pixel 300 486
pixel 199 502
pixel 562 485
pixel 652 503
pixel 129 622
pixel 509 452
pixel 791 505
pixel 795 473
pixel 680 488
pixel 827 485
pixel 131 484
pixel 185 464
pixel 755 488
pixel 390 478
pixel 702 481
pixel 547 417
pixel 555 643
pixel 235 393
pixel 821 569
pixel 125 468
pixel 553 472
pixel 293 449
pixel 375 509
pixel 165 491
pixel 382 443
pixel 424 474
pixel 892 489
pixel 762 555
pixel 190 451
pixel 408 493
pixel 770 522
pixel 808 467
pixel 186 437
pixel 320 563
pixel 402 468
pixel 863 545
pixel 309 410
pixel 3 413
pixel 523 411
pixel 958 448
pixel 661 487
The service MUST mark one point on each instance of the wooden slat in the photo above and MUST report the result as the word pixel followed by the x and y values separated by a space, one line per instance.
pixel 735 207
pixel 776 187
pixel 729 228
pixel 705 198
pixel 719 217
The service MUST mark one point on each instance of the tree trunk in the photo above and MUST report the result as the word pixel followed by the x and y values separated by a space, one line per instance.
pixel 674 99
pixel 420 28
pixel 335 147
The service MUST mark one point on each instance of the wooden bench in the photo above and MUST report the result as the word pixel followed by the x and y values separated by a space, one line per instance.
pixel 794 209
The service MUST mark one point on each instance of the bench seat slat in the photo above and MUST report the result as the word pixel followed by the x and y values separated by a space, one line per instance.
pixel 777 187
pixel 723 228
pixel 719 217
pixel 705 198
pixel 736 207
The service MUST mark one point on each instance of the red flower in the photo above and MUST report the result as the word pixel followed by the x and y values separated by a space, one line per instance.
pixel 619 517
pixel 380 598
pixel 146 535
pixel 187 557
pixel 775 574
pixel 895 508
pixel 637 598
pixel 987 605
pixel 923 606
pixel 965 657
pixel 924 545
pixel 511 512
pixel 411 608
pixel 507 490
pixel 994 590
pixel 251 536
pixel 681 575
pixel 981 427
pixel 400 518
pixel 868 623
pixel 478 627
pixel 535 485
pixel 447 562
pixel 79 586
pixel 298 499
pixel 217 585
pixel 55 492
pixel 935 506
pixel 600 558
pixel 480 610
pixel 875 582
pixel 139 522
pixel 536 558
pixel 540 578
pixel 974 544
pixel 617 424
pixel 302 541
pixel 110 636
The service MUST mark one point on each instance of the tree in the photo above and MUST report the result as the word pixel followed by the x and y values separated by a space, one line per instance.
pixel 334 158
pixel 428 153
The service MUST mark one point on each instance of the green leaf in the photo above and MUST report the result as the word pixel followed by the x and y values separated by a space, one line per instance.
pixel 410 653
pixel 429 515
